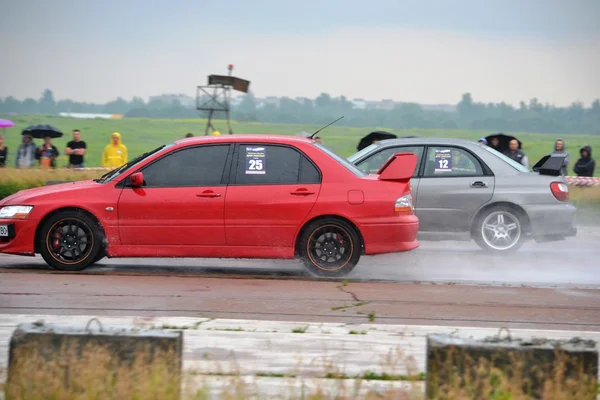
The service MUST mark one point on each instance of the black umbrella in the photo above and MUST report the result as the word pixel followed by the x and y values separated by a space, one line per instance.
pixel 503 142
pixel 42 131
pixel 377 135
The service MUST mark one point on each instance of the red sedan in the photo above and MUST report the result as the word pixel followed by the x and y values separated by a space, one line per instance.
pixel 234 196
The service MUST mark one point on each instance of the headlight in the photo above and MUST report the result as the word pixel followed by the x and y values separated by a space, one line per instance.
pixel 404 203
pixel 15 212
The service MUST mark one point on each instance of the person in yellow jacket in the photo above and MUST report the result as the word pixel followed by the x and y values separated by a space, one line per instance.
pixel 115 153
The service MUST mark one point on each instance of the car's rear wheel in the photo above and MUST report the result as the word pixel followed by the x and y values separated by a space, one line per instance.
pixel 329 248
pixel 500 230
pixel 70 241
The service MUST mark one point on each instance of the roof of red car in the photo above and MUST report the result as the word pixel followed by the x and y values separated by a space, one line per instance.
pixel 245 138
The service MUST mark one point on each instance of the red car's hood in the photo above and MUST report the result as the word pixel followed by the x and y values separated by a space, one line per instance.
pixel 27 195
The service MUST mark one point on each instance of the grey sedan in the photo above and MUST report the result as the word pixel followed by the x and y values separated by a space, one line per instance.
pixel 467 191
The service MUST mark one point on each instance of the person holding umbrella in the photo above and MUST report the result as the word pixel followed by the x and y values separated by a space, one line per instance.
pixel 4 123
pixel 47 153
pixel 25 152
pixel 3 152
pixel 515 154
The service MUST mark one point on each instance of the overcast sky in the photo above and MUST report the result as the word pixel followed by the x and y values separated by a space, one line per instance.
pixel 426 51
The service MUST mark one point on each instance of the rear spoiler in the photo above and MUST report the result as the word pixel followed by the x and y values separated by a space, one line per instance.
pixel 399 167
pixel 550 164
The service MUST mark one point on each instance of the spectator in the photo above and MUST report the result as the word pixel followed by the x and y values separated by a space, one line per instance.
pixel 585 165
pixel 559 148
pixel 482 141
pixel 26 153
pixel 3 152
pixel 189 135
pixel 115 153
pixel 515 154
pixel 495 143
pixel 76 149
pixel 47 153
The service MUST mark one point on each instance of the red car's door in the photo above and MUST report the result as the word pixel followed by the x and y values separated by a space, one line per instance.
pixel 181 202
pixel 273 189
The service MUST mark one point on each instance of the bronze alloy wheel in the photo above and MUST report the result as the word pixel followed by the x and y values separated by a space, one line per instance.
pixel 71 241
pixel 330 247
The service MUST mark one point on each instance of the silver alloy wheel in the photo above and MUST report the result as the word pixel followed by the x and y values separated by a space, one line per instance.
pixel 501 230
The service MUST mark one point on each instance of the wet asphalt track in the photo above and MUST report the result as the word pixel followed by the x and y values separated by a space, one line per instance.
pixel 543 286
pixel 573 262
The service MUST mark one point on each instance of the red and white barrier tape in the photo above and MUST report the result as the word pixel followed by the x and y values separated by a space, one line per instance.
pixel 582 181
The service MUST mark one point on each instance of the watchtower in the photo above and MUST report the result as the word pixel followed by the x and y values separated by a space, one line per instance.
pixel 218 91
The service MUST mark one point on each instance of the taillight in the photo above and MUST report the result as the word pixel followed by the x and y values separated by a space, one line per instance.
pixel 404 204
pixel 560 190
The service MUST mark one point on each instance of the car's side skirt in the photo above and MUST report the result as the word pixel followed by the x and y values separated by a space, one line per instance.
pixel 121 251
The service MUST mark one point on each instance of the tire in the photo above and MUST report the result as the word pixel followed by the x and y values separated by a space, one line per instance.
pixel 335 236
pixel 101 254
pixel 500 230
pixel 75 253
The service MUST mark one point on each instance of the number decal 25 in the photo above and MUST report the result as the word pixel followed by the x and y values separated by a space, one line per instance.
pixel 256 165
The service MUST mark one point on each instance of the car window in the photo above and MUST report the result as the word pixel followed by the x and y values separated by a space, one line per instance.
pixel 362 152
pixel 373 163
pixel 516 165
pixel 308 172
pixel 193 166
pixel 344 162
pixel 260 164
pixel 451 161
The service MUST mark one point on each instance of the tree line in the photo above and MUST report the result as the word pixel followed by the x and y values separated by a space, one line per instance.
pixel 532 116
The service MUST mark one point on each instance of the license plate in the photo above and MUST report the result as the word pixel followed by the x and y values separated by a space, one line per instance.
pixel 4 230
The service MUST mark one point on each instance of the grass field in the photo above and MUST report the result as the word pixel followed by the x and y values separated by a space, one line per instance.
pixel 141 135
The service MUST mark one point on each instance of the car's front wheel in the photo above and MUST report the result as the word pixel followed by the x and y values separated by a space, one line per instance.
pixel 329 248
pixel 70 241
pixel 499 230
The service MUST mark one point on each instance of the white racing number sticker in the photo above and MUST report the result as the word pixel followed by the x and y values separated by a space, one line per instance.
pixel 3 230
pixel 443 160
pixel 256 160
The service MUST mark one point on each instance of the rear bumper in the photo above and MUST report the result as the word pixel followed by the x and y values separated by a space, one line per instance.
pixel 393 237
pixel 555 220
pixel 21 237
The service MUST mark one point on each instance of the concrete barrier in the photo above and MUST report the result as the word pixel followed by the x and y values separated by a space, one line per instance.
pixel 54 361
pixel 538 365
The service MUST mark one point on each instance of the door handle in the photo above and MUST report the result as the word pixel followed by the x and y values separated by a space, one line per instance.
pixel 301 192
pixel 208 193
pixel 478 184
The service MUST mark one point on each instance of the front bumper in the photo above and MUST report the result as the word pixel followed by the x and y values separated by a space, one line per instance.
pixel 20 240
pixel 554 220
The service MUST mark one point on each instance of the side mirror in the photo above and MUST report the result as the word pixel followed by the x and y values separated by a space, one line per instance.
pixel 137 179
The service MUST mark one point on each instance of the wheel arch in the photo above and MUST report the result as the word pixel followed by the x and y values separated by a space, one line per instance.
pixel 521 213
pixel 325 216
pixel 38 229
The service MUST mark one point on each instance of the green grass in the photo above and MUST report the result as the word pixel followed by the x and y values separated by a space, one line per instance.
pixel 300 330
pixel 141 134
